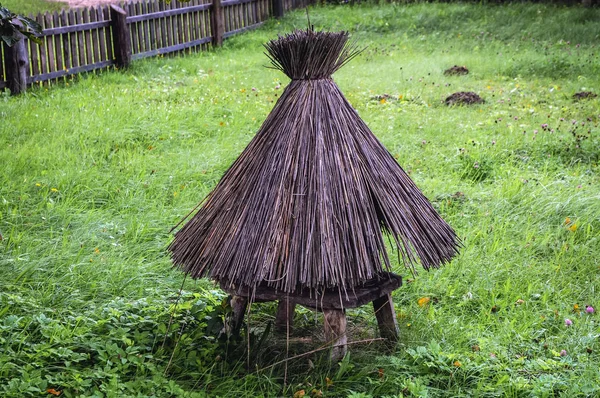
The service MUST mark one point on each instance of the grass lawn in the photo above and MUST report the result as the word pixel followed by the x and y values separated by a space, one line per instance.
pixel 27 7
pixel 97 170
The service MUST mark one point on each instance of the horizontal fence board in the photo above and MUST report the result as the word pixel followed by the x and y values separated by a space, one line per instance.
pixel 169 13
pixel 242 30
pixel 171 49
pixel 72 71
pixel 75 28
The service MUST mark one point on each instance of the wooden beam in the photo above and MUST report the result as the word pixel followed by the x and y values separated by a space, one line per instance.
pixel 121 37
pixel 277 8
pixel 355 297
pixel 234 321
pixel 386 317
pixel 217 23
pixel 335 332
pixel 284 319
pixel 16 66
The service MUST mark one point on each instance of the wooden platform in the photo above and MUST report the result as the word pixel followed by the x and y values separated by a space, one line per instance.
pixel 332 302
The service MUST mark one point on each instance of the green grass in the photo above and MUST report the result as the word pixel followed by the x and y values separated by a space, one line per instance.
pixel 97 170
pixel 33 7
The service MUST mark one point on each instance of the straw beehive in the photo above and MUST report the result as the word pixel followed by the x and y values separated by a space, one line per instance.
pixel 308 203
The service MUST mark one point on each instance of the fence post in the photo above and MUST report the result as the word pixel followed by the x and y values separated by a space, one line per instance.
pixel 17 65
pixel 277 8
pixel 121 37
pixel 217 23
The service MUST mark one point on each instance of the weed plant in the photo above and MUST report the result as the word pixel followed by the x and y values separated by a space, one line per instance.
pixel 96 170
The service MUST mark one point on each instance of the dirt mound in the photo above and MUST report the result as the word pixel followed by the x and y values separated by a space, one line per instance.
pixel 456 71
pixel 584 95
pixel 464 98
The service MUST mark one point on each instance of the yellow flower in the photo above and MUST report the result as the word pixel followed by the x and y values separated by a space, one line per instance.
pixel 567 221
pixel 54 190
pixel 457 364
pixel 423 301
pixel 299 394
pixel 38 184
pixel 576 308
pixel 382 101
pixel 328 382
pixel 573 228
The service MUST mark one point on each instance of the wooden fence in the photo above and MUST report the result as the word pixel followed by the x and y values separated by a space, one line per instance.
pixel 87 39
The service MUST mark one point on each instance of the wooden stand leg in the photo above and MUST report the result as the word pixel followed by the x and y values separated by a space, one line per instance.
pixel 335 332
pixel 284 319
pixel 386 317
pixel 234 321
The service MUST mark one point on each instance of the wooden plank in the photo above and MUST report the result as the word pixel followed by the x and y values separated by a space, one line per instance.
pixel 234 321
pixel 121 37
pixel 138 29
pixel 44 46
pixel 255 5
pixel 72 41
pixel 168 13
pixel 386 317
pixel 170 30
pixel 284 318
pixel 34 59
pixel 51 60
pixel 65 49
pixel 335 332
pixel 227 35
pixel 95 40
pixel 102 32
pixel 153 26
pixel 72 71
pixel 110 51
pixel 186 27
pixel 227 3
pixel 89 58
pixel 171 49
pixel 74 28
pixel 2 76
pixel 80 37
pixel 371 290
pixel 217 24
pixel 177 25
pixel 84 39
pixel 145 28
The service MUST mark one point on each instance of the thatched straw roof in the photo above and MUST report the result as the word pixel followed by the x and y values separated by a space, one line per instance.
pixel 310 200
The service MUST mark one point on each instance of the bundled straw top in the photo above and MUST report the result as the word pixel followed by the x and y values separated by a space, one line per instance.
pixel 305 54
pixel 309 202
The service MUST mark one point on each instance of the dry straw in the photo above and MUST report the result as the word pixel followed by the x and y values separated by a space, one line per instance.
pixel 309 202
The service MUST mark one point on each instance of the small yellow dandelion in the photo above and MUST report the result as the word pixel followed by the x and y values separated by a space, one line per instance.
pixel 457 364
pixel 38 184
pixel 576 308
pixel 54 190
pixel 382 101
pixel 567 221
pixel 573 228
pixel 96 250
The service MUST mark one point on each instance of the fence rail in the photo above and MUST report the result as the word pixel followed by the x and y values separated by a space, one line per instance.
pixel 86 39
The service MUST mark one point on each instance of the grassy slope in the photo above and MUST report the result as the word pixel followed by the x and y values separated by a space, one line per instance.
pixel 27 7
pixel 96 173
